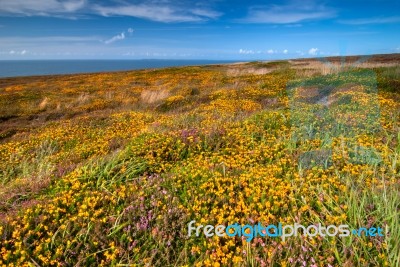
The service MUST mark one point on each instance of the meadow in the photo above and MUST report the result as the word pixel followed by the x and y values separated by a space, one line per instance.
pixel 108 169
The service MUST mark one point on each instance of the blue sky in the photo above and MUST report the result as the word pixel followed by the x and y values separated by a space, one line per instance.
pixel 214 29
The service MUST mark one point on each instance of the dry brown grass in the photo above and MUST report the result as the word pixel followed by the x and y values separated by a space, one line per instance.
pixel 313 94
pixel 239 71
pixel 20 191
pixel 253 68
pixel 43 104
pixel 332 65
pixel 308 92
pixel 153 96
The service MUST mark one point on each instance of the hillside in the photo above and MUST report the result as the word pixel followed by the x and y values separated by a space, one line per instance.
pixel 109 168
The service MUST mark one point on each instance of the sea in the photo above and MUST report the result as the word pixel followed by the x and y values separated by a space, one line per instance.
pixel 16 68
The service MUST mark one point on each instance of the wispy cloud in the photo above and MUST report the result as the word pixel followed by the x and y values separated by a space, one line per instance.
pixel 376 20
pixel 158 12
pixel 313 51
pixel 19 53
pixel 207 13
pixel 40 7
pixel 115 38
pixel 269 52
pixel 162 11
pixel 288 13
pixel 246 52
pixel 120 36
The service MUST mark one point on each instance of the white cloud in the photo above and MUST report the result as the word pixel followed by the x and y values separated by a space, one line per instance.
pixel 301 53
pixel 129 54
pixel 40 7
pixel 115 38
pixel 313 51
pixel 158 12
pixel 206 13
pixel 246 52
pixel 289 13
pixel 376 20
pixel 130 30
pixel 285 51
pixel 72 6
pixel 21 53
pixel 270 51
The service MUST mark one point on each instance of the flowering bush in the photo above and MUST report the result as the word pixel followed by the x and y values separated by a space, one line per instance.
pixel 115 182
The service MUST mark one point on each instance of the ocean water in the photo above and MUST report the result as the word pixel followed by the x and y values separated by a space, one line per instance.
pixel 14 68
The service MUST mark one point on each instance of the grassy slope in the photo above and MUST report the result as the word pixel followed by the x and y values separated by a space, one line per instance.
pixel 101 169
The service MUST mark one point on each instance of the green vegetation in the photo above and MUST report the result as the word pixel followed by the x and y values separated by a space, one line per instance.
pixel 108 169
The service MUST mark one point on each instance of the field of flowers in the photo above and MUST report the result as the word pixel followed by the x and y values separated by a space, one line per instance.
pixel 109 169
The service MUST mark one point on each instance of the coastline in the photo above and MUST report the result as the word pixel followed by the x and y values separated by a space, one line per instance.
pixel 27 68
